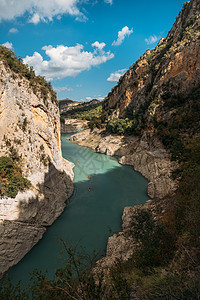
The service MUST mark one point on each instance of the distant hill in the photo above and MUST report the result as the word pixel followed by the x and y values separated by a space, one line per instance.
pixel 69 108
pixel 65 104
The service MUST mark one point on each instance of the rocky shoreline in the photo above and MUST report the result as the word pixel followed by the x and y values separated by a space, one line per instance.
pixel 147 156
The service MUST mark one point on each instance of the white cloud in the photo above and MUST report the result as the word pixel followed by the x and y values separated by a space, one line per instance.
pixel 114 77
pixel 35 19
pixel 99 97
pixel 121 35
pixel 152 39
pixel 109 1
pixel 13 30
pixel 66 61
pixel 59 89
pixel 98 45
pixel 88 98
pixel 8 45
pixel 81 17
pixel 38 10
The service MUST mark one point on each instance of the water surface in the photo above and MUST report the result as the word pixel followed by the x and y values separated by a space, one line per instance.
pixel 102 188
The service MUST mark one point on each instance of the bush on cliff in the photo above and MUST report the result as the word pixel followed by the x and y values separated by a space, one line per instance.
pixel 156 244
pixel 123 126
pixel 11 179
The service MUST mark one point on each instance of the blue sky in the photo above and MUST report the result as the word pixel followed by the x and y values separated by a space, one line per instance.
pixel 83 46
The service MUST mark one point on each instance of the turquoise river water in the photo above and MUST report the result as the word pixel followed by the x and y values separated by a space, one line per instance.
pixel 90 216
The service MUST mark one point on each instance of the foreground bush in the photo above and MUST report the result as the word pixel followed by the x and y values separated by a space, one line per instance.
pixel 73 281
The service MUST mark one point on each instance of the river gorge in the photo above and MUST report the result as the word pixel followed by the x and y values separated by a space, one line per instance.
pixel 118 175
pixel 102 188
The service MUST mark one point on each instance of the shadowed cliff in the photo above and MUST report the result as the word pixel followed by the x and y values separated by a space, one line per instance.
pixel 19 235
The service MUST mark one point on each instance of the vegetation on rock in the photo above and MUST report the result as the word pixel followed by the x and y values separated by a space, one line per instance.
pixel 91 113
pixel 11 179
pixel 38 84
pixel 165 262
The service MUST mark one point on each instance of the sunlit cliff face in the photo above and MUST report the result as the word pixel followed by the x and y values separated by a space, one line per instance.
pixel 30 134
pixel 173 66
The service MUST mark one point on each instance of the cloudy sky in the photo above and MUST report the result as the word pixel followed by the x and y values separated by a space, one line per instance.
pixel 84 46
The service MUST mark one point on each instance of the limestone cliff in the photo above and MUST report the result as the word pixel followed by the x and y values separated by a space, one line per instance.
pixel 151 115
pixel 30 135
pixel 160 94
pixel 169 70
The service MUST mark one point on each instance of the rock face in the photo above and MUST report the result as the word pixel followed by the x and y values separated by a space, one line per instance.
pixel 30 133
pixel 153 162
pixel 169 70
pixel 121 245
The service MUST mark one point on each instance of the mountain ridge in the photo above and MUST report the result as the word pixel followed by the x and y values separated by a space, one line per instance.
pixel 154 66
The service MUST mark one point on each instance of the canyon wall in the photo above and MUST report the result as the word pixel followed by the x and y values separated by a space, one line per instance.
pixel 171 69
pixel 157 104
pixel 30 135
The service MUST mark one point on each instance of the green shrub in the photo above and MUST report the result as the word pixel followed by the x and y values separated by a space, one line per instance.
pixel 95 123
pixel 124 126
pixel 11 179
pixel 42 147
pixel 14 154
pixel 6 165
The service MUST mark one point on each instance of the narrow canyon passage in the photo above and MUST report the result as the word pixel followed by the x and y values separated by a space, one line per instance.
pixel 102 188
